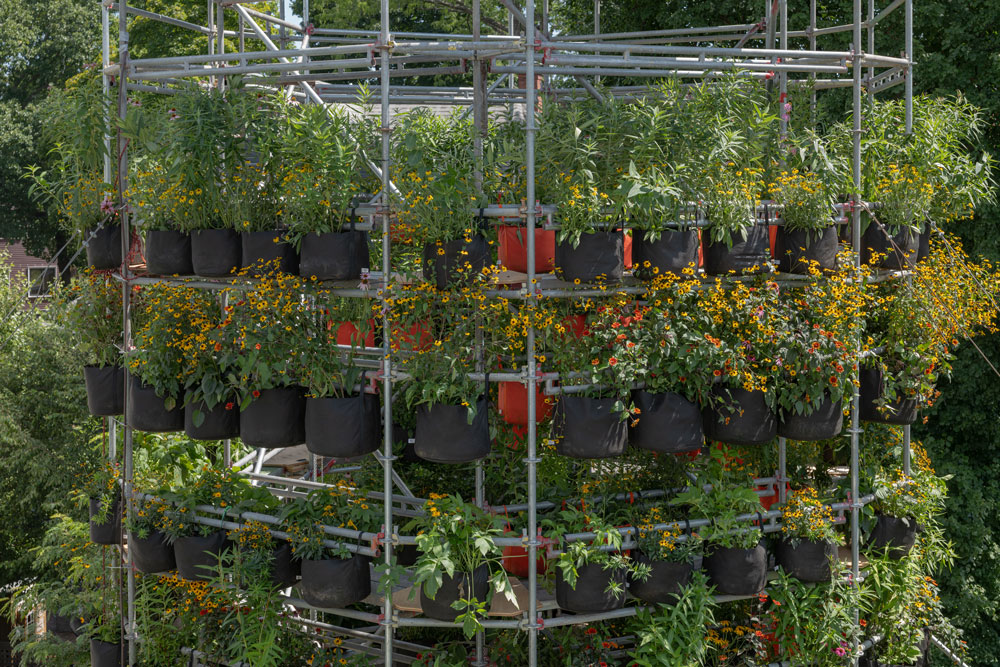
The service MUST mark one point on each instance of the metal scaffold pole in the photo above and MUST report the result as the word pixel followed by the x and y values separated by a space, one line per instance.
pixel 856 244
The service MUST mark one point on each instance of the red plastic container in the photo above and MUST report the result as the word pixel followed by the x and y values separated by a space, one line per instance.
pixel 349 334
pixel 513 403
pixel 515 559
pixel 628 249
pixel 577 325
pixel 514 250
pixel 767 502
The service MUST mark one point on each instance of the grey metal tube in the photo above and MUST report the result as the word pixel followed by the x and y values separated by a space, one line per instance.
pixel 856 399
pixel 909 65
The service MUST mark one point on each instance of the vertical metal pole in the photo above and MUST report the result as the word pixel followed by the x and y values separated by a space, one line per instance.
pixel 478 103
pixel 908 8
pixel 906 450
pixel 532 460
pixel 390 529
pixel 782 469
pixel 106 86
pixel 783 81
pixel 227 444
pixel 211 25
pixel 282 31
pixel 597 29
pixel 812 47
pixel 122 176
pixel 856 400
pixel 220 39
pixel 871 43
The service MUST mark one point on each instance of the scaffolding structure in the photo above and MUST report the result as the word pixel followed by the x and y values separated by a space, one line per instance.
pixel 326 65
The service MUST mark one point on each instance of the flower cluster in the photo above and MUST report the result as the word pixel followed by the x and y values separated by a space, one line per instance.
pixel 805 517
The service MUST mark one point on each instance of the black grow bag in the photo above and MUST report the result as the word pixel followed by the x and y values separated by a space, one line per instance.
pixel 797 250
pixel 105 390
pixel 215 252
pixel 454 588
pixel 343 427
pixel 216 424
pixel 664 582
pixel 673 252
pixel 104 247
pixel 335 583
pixel 197 556
pixel 736 571
pixel 924 242
pixel 591 594
pixel 667 423
pixel 444 435
pixel 459 262
pixel 334 255
pixel 147 412
pixel 168 253
pixel 599 257
pixel 108 532
pixel 893 535
pixel 752 253
pixel 285 567
pixel 105 654
pixel 742 417
pixel 898 248
pixel 262 253
pixel 274 419
pixel 588 428
pixel 807 561
pixel 900 411
pixel 152 554
pixel 824 422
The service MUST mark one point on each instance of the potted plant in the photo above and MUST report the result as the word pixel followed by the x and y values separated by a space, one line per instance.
pixel 735 557
pixel 458 567
pixel 902 505
pixel 667 554
pixel 333 576
pixel 264 332
pixel 260 556
pixel 102 490
pixel 75 124
pixel 342 419
pixel 452 414
pixel 149 546
pixel 807 236
pixel 745 329
pixel 736 242
pixel 434 176
pixel 198 546
pixel 204 150
pixel 664 346
pixel 808 543
pixel 675 634
pixel 318 181
pixel 156 200
pixel 156 363
pixel 92 306
pixel 590 572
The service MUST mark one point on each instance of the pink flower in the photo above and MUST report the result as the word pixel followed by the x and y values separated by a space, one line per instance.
pixel 107 206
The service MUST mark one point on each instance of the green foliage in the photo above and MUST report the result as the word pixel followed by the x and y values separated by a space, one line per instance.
pixel 343 507
pixel 674 635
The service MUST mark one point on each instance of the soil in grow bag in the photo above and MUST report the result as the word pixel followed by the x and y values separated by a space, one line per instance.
pixel 219 423
pixel 900 411
pixel 894 535
pixel 334 255
pixel 147 412
pixel 110 531
pixel 105 654
pixel 735 571
pixel 152 554
pixel 454 588
pixel 105 390
pixel 667 423
pixel 275 419
pixel 798 250
pixel 745 255
pixel 460 262
pixel 197 556
pixel 742 418
pixel 343 427
pixel 168 253
pixel 664 582
pixel 264 252
pixel 588 428
pixel 673 252
pixel 807 561
pixel 599 257
pixel 335 583
pixel 824 422
pixel 444 434
pixel 591 594
pixel 215 252
pixel 104 247
pixel 514 249
pixel 897 248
